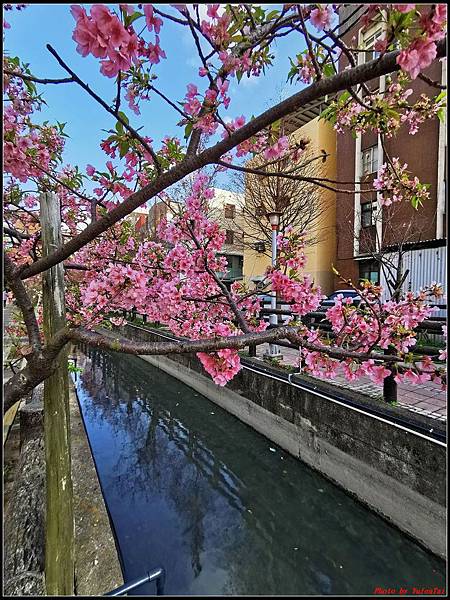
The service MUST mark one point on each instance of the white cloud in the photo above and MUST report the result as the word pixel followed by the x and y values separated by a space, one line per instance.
pixel 203 9
pixel 249 82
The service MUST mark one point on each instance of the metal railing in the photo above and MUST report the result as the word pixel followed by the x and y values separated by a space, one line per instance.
pixel 158 575
pixel 318 320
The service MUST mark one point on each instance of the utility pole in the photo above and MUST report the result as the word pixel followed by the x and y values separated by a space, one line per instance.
pixel 59 528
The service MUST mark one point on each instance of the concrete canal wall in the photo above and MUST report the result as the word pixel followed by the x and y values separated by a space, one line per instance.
pixel 366 448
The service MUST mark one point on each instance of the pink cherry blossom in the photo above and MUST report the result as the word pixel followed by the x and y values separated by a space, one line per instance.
pixel 277 150
pixel 321 17
pixel 152 21
pixel 404 8
pixel 212 11
pixel 419 55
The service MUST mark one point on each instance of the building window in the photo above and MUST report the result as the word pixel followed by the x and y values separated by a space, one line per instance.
pixel 368 214
pixel 230 211
pixel 369 160
pixel 260 247
pixel 370 270
pixel 229 239
pixel 369 45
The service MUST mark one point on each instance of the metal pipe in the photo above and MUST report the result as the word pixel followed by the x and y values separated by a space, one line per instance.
pixel 158 574
pixel 273 348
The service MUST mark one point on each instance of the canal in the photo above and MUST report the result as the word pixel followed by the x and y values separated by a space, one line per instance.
pixel 225 511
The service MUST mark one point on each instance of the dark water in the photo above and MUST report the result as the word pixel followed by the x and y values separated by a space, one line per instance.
pixel 192 489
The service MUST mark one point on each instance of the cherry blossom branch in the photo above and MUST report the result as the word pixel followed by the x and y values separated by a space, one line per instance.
pixel 430 82
pixel 17 234
pixel 24 303
pixel 119 81
pixel 317 90
pixel 37 79
pixel 39 367
pixel 309 44
pixel 341 353
pixel 67 187
pixel 102 103
pixel 169 101
pixel 286 175
pixel 25 210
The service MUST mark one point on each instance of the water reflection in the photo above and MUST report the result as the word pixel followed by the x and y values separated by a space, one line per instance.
pixel 192 489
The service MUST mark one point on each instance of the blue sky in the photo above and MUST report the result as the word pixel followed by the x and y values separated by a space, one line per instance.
pixel 39 24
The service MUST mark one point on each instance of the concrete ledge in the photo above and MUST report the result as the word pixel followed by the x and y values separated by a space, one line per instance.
pixel 97 566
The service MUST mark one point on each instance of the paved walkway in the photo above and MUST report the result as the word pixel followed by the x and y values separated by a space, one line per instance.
pixel 427 399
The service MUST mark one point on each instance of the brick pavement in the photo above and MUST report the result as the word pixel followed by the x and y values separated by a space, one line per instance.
pixel 427 399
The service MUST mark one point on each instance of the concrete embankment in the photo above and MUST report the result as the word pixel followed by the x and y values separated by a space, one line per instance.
pixel 391 460
pixel 97 566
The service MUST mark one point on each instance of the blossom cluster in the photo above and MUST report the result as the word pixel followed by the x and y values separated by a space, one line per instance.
pixel 28 148
pixel 104 36
pixel 384 112
pixel 421 51
pixel 394 185
pixel 176 280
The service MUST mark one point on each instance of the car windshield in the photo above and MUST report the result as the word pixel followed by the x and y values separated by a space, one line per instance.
pixel 348 294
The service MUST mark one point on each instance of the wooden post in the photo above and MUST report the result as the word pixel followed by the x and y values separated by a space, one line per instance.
pixel 59 535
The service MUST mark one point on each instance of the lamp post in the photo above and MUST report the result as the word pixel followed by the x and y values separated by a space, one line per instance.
pixel 274 218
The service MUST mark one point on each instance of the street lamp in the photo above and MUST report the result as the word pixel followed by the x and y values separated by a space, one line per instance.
pixel 274 218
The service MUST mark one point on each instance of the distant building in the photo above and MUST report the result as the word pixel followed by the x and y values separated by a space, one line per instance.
pixel 226 210
pixel 321 255
pixel 365 230
pixel 146 220
pixel 138 218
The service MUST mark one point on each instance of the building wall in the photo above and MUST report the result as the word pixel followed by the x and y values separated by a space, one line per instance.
pixel 424 265
pixel 422 152
pixel 321 255
pixel 255 264
pixel 233 252
pixel 221 199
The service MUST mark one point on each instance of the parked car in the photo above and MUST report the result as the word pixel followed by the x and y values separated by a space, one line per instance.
pixel 331 300
pixel 266 300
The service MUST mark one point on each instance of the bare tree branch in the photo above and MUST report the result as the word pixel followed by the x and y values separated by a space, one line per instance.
pixel 111 111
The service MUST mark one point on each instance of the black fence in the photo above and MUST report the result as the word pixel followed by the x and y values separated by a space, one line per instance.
pixel 317 320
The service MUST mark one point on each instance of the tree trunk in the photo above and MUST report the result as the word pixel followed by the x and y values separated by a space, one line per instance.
pixel 59 538
pixel 389 383
pixel 25 513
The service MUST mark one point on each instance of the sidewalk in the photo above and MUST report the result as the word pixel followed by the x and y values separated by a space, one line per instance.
pixel 427 399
